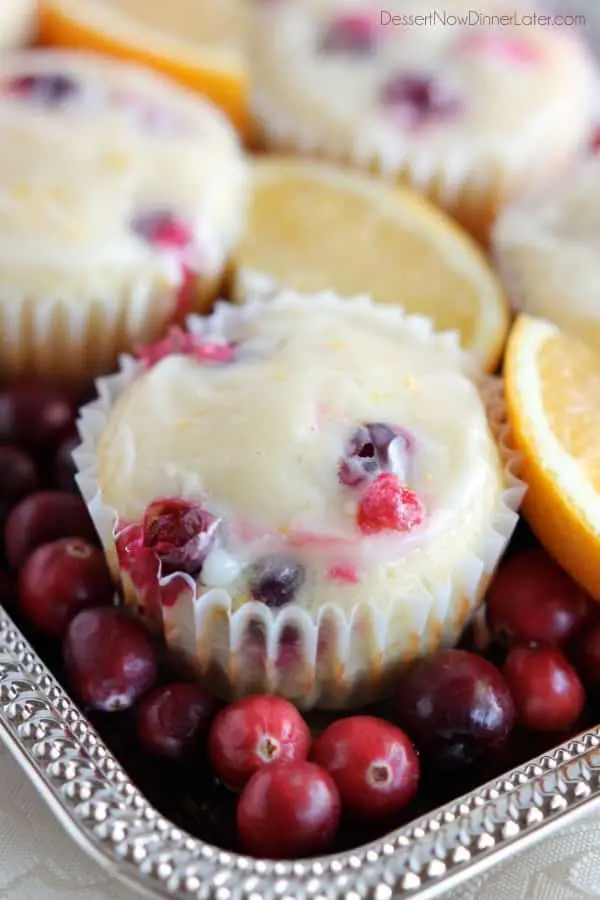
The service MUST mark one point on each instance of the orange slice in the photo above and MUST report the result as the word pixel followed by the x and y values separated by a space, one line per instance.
pixel 195 42
pixel 313 227
pixel 553 399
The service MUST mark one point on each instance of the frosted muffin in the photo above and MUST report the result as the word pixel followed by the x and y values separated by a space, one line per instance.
pixel 547 245
pixel 304 494
pixel 468 115
pixel 18 21
pixel 122 197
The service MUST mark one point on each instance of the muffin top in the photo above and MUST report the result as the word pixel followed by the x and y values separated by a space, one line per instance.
pixel 107 165
pixel 341 434
pixel 375 78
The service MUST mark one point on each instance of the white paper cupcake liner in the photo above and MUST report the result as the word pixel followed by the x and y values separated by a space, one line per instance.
pixel 336 657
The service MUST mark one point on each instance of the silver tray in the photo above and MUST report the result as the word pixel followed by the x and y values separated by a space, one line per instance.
pixel 105 813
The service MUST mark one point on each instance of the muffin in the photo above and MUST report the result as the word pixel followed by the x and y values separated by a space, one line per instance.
pixel 468 115
pixel 303 493
pixel 17 22
pixel 546 247
pixel 122 198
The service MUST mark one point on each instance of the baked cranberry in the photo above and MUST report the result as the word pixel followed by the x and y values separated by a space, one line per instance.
pixel 46 90
pixel 180 534
pixel 288 810
pixel 367 453
pixel 44 517
pixel 253 732
pixel 455 705
pixel 586 658
pixel 63 466
pixel 374 765
pixel 388 505
pixel 163 229
pixel 352 35
pixel 60 579
pixel 18 475
pixel 188 344
pixel 419 99
pixel 275 580
pixel 547 691
pixel 33 412
pixel 533 599
pixel 109 658
pixel 171 721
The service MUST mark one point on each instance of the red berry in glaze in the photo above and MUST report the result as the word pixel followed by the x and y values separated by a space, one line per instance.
pixel 455 705
pixel 254 732
pixel 60 579
pixel 367 452
pixel 179 533
pixel 45 90
pixel 18 475
pixel 275 580
pixel 418 100
pixel 351 35
pixel 109 657
pixel 33 412
pixel 388 505
pixel 288 810
pixel 172 721
pixel 163 229
pixel 44 517
pixel 532 599
pixel 374 765
pixel 548 693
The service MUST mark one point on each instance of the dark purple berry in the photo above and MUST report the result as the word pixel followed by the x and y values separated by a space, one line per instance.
pixel 275 580
pixel 419 99
pixel 180 534
pixel 367 452
pixel 46 90
pixel 35 413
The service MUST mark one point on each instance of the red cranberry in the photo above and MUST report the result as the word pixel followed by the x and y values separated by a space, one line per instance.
pixel 164 229
pixel 419 99
pixel 46 90
pixel 548 693
pixel 275 580
pixel 533 599
pixel 254 732
pixel 374 765
pixel 172 720
pixel 388 505
pixel 354 35
pixel 109 658
pixel 35 413
pixel 288 810
pixel 586 658
pixel 60 579
pixel 63 467
pixel 455 705
pixel 180 534
pixel 18 475
pixel 43 517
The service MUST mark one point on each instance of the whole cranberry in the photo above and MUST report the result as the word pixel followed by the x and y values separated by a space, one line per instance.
pixel 172 720
pixel 63 465
pixel 43 517
pixel 18 475
pixel 253 732
pixel 455 705
pixel 374 765
pixel 33 412
pixel 548 693
pixel 60 579
pixel 288 810
pixel 533 599
pixel 275 580
pixel 586 658
pixel 109 657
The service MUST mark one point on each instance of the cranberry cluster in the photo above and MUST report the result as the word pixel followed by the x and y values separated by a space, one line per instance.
pixel 255 775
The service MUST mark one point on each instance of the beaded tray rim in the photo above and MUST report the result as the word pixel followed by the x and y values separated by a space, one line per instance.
pixel 109 818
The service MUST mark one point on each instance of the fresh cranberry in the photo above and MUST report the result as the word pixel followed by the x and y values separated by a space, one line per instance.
pixel 586 658
pixel 374 765
pixel 44 517
pixel 63 466
pixel 288 810
pixel 163 229
pixel 180 534
pixel 253 732
pixel 171 721
pixel 388 505
pixel 18 475
pixel 455 705
pixel 46 90
pixel 35 413
pixel 187 344
pixel 547 691
pixel 418 99
pixel 60 579
pixel 109 658
pixel 367 452
pixel 275 580
pixel 533 599
pixel 352 35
